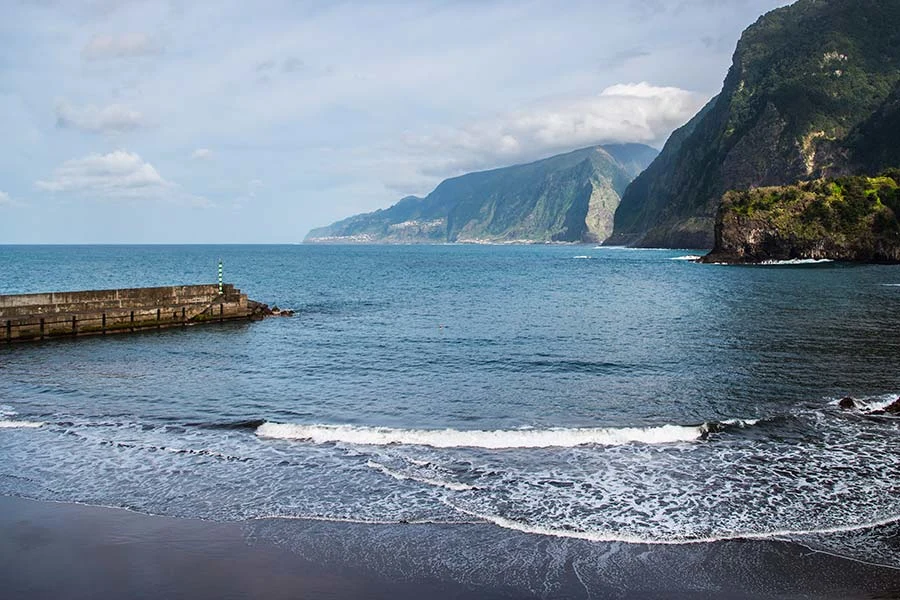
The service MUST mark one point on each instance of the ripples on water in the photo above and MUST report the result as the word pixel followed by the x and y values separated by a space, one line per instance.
pixel 630 397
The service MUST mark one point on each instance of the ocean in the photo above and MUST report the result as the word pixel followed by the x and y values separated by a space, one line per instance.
pixel 598 395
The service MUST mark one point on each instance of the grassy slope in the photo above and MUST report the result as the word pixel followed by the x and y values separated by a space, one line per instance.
pixel 805 79
pixel 849 218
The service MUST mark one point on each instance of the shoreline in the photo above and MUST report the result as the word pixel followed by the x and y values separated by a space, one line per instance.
pixel 57 549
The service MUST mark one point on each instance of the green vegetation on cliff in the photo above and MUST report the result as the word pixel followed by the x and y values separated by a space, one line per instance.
pixel 570 197
pixel 852 218
pixel 813 91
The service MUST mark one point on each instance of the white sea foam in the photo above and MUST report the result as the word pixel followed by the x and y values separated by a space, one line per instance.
pixel 878 402
pixel 688 257
pixel 741 422
pixel 606 536
pixel 450 485
pixel 870 403
pixel 778 263
pixel 20 424
pixel 453 438
pixel 635 249
pixel 797 261
pixel 583 257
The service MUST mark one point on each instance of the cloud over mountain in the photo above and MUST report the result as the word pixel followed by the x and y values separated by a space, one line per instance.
pixel 631 112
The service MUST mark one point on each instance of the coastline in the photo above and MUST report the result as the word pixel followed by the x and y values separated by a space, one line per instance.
pixel 52 550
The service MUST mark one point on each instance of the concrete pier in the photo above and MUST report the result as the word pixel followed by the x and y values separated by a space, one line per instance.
pixel 26 317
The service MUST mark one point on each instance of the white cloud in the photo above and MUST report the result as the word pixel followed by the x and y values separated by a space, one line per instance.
pixel 124 45
pixel 201 154
pixel 7 200
pixel 632 112
pixel 117 175
pixel 114 118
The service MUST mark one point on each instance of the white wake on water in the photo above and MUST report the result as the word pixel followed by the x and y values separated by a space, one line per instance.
pixel 497 439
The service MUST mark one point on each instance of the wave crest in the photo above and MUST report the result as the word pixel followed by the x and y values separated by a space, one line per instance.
pixel 20 424
pixel 497 439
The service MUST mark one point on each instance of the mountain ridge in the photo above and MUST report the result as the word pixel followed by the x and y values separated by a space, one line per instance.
pixel 809 87
pixel 566 197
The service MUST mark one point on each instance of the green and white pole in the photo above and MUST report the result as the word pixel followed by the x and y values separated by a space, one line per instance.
pixel 220 275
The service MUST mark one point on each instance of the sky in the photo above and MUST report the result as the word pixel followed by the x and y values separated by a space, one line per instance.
pixel 253 122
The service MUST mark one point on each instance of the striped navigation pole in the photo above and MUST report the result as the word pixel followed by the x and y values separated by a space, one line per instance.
pixel 220 275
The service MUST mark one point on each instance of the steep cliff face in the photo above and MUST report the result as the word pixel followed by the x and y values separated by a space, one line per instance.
pixel 571 197
pixel 846 219
pixel 810 88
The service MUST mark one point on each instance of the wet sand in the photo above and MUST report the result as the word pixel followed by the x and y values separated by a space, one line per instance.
pixel 71 551
pixel 57 550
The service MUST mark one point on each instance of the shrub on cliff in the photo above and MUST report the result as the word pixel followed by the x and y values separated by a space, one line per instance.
pixel 848 218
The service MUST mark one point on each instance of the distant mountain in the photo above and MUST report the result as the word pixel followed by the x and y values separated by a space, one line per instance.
pixel 813 91
pixel 571 197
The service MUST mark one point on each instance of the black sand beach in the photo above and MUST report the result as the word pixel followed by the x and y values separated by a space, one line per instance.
pixel 55 550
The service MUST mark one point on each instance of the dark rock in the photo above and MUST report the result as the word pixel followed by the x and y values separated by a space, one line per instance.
pixel 893 408
pixel 847 403
pixel 847 219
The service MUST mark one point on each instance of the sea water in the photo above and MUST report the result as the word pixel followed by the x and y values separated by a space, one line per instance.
pixel 602 394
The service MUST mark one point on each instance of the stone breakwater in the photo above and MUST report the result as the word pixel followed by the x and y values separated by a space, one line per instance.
pixel 25 317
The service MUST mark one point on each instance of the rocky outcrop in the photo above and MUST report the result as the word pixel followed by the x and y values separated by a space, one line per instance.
pixel 847 403
pixel 566 198
pixel 813 91
pixel 846 219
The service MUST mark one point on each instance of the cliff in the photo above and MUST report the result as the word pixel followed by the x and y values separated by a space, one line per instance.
pixel 812 92
pixel 570 197
pixel 846 219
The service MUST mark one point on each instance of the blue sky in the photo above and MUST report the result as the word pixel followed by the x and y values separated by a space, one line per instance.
pixel 252 122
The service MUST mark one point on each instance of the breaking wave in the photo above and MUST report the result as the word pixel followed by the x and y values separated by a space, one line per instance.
pixel 497 439
pixel 689 257
pixel 20 424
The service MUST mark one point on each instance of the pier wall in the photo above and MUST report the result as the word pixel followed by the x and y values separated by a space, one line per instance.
pixel 40 316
